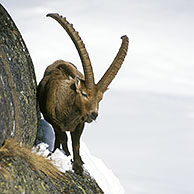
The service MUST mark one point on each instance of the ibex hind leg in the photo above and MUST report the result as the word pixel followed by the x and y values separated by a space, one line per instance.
pixel 63 141
pixel 57 141
pixel 77 161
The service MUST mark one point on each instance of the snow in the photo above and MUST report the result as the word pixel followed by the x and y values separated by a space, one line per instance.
pixel 150 147
pixel 105 178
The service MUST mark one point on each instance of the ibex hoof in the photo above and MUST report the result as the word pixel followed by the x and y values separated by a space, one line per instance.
pixel 49 154
pixel 78 169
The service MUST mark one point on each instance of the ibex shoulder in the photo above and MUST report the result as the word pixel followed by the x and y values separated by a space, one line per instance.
pixel 65 68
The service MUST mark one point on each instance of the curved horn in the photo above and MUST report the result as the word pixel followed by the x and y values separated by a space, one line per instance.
pixel 87 67
pixel 115 66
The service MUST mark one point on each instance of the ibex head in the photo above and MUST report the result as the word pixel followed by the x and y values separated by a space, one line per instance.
pixel 90 94
pixel 87 100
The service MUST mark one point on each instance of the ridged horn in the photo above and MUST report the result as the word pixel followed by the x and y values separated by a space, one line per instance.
pixel 115 66
pixel 74 35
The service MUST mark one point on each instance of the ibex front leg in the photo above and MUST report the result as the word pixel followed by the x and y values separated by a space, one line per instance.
pixel 77 161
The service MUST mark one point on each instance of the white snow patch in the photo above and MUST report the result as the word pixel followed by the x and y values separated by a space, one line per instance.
pixel 61 161
pixel 42 149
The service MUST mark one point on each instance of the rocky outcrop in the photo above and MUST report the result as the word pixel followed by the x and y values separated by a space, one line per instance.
pixel 18 105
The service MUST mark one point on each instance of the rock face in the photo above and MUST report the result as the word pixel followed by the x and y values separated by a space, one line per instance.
pixel 18 105
pixel 22 171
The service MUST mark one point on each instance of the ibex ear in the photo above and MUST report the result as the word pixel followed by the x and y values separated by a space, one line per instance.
pixel 77 82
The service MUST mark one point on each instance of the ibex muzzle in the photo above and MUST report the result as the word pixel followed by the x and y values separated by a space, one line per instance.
pixel 68 99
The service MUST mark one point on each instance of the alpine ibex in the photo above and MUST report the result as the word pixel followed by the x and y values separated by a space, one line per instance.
pixel 68 99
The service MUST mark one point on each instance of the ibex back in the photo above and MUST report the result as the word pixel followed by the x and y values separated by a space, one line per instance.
pixel 68 99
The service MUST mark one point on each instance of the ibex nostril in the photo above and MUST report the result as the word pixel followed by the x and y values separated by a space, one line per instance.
pixel 94 115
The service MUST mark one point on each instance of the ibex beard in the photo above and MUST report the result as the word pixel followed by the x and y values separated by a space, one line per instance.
pixel 68 99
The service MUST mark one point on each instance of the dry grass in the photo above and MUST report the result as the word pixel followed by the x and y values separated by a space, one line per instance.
pixel 12 148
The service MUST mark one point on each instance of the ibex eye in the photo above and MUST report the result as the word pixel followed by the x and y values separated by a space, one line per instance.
pixel 84 94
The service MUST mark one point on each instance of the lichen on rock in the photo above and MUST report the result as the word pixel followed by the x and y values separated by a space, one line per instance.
pixel 18 104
